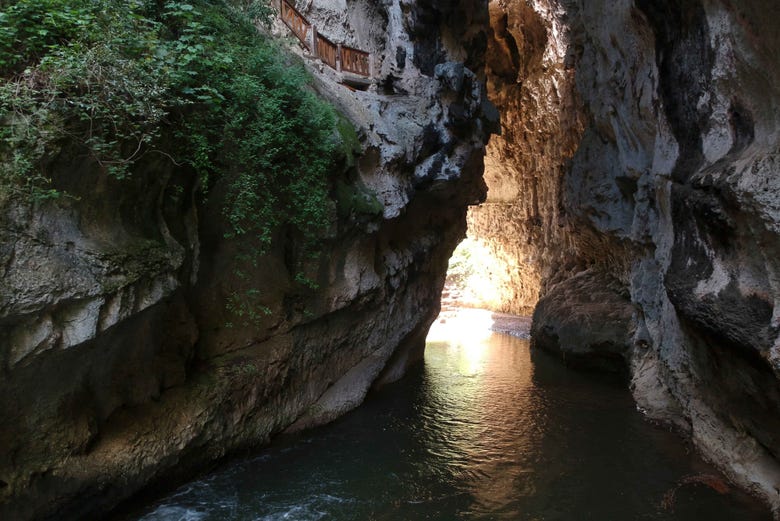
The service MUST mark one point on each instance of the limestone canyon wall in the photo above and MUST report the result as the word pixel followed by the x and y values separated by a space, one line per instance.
pixel 636 192
pixel 121 364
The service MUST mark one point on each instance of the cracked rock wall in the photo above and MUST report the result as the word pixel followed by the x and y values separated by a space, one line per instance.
pixel 117 368
pixel 635 195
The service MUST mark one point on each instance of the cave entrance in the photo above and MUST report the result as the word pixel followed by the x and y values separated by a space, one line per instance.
pixel 469 295
pixel 472 276
pixel 520 230
pixel 477 296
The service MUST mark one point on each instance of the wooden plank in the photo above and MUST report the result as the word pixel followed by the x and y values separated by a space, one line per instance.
pixel 327 51
pixel 355 61
pixel 296 22
pixel 336 56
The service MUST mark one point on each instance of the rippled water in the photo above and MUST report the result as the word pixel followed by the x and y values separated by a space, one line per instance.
pixel 485 430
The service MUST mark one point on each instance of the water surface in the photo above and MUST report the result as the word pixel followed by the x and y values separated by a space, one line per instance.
pixel 484 430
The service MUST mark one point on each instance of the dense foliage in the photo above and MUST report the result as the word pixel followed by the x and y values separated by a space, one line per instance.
pixel 193 81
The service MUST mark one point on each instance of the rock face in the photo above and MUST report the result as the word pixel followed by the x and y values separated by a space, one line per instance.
pixel 530 78
pixel 118 368
pixel 588 320
pixel 636 181
pixel 634 203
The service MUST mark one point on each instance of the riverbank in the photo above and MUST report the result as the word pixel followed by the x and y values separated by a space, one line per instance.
pixel 484 428
pixel 473 321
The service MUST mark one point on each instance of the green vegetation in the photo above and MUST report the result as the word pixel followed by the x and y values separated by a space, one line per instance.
pixel 194 81
pixel 247 308
pixel 355 200
pixel 462 265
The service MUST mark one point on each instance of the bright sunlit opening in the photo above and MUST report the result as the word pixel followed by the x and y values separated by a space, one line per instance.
pixel 472 275
pixel 466 327
pixel 465 323
pixel 465 332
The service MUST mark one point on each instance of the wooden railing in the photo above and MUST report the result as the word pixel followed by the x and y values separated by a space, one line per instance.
pixel 337 56
pixel 296 22
pixel 328 51
pixel 355 61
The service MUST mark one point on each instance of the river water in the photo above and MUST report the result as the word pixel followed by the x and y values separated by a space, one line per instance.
pixel 485 429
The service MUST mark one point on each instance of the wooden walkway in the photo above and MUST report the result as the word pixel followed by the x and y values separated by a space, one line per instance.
pixel 338 57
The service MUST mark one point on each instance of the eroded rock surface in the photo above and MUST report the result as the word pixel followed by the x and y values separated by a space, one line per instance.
pixel 588 320
pixel 641 140
pixel 119 365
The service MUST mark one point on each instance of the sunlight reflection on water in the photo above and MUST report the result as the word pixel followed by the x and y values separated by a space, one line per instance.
pixel 486 429
pixel 463 327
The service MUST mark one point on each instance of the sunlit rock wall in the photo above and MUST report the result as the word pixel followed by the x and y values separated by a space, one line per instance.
pixel 531 80
pixel 121 362
pixel 636 182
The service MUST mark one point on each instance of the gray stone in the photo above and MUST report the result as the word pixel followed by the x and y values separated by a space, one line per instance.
pixel 451 75
pixel 122 365
pixel 640 139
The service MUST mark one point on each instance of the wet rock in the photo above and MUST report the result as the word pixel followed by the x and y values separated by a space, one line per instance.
pixel 587 320
pixel 640 139
pixel 121 364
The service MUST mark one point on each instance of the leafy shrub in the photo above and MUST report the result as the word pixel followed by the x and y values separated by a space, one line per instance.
pixel 194 81
pixel 30 28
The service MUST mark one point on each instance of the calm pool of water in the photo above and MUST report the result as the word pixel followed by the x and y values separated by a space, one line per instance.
pixel 484 430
